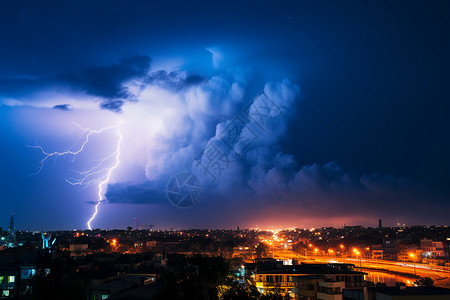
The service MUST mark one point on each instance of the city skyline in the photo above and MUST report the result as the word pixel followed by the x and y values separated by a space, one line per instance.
pixel 225 114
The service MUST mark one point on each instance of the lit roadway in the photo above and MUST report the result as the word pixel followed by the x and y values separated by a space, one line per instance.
pixel 440 275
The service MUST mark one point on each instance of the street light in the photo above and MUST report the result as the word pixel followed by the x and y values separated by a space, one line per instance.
pixel 412 255
pixel 357 253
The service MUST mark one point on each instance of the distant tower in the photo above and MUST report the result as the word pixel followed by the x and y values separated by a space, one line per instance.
pixel 380 225
pixel 11 232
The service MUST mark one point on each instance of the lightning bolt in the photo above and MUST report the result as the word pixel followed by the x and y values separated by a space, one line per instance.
pixel 106 180
pixel 100 174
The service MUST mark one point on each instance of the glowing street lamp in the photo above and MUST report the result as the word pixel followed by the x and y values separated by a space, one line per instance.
pixel 357 253
pixel 413 256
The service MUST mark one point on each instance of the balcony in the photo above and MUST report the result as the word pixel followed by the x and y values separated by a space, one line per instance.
pixel 266 284
pixel 323 296
pixel 355 284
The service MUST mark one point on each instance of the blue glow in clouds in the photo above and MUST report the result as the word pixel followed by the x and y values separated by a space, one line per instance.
pixel 370 125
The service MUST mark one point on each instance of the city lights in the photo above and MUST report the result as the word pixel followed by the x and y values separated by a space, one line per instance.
pixel 270 146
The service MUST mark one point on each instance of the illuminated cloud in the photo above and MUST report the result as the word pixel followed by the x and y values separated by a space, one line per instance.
pixel 104 84
pixel 216 56
pixel 175 121
pixel 185 128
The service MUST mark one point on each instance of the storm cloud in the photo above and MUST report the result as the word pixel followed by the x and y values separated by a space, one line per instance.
pixel 65 107
pixel 105 83
pixel 233 147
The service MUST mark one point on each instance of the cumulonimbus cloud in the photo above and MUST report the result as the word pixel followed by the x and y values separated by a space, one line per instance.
pixel 230 139
pixel 225 132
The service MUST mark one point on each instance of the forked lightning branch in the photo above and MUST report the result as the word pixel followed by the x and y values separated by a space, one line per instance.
pixel 100 174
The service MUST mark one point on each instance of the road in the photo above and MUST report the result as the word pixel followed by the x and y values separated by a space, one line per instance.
pixel 440 275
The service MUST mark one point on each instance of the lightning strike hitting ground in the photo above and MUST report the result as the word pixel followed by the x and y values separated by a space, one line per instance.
pixel 98 174
pixel 107 179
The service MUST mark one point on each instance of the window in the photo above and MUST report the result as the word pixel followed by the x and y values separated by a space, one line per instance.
pixel 12 278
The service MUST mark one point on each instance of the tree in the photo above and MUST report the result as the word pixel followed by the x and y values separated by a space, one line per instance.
pixel 197 277
pixel 63 282
pixel 299 248
pixel 238 292
pixel 262 250
pixel 424 281
pixel 271 296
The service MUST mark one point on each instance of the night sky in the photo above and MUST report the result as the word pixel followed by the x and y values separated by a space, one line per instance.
pixel 288 113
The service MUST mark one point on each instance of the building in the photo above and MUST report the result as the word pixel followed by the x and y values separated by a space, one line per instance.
pixel 8 276
pixel 432 249
pixel 17 271
pixel 305 281
pixel 377 252
pixel 78 250
pixel 125 283
pixel 409 254
pixel 398 293
pixel 11 241
pixel 276 280
pixel 318 287
pixel 433 252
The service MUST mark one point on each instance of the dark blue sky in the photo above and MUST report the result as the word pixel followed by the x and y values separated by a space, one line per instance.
pixel 362 87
